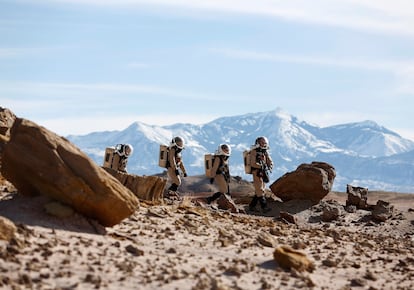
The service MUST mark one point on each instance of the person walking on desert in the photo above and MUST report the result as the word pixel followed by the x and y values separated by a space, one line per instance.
pixel 221 172
pixel 174 163
pixel 260 161
pixel 123 152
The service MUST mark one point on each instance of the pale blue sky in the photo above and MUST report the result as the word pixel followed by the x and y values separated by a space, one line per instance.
pixel 77 66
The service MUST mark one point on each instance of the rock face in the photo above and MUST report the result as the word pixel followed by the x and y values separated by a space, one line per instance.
pixel 149 188
pixel 308 182
pixel 330 211
pixel 357 196
pixel 6 121
pixel 38 161
pixel 382 211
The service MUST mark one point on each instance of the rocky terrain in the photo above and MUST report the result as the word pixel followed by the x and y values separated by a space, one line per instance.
pixel 190 245
pixel 74 225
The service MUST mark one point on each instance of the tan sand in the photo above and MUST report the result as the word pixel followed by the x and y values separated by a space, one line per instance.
pixel 184 246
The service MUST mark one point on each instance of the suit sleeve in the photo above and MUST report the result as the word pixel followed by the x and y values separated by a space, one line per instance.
pixel 182 167
pixel 269 161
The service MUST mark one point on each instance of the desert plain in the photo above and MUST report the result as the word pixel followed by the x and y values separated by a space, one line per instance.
pixel 188 244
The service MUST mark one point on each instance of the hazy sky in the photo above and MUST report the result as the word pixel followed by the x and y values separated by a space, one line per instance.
pixel 77 66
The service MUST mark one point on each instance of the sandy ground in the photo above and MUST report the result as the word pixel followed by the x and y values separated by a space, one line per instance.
pixel 188 245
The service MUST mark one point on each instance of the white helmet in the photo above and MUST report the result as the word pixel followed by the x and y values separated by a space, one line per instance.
pixel 124 149
pixel 178 141
pixel 262 142
pixel 224 149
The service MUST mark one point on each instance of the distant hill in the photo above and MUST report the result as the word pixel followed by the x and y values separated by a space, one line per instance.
pixel 363 153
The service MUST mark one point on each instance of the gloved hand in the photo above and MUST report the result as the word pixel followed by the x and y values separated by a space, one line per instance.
pixel 211 180
pixel 185 174
pixel 177 172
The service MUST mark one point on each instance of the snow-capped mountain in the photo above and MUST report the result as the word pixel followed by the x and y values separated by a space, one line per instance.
pixel 366 138
pixel 364 154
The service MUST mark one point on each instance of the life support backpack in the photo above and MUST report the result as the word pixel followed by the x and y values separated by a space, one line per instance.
pixel 108 157
pixel 247 161
pixel 111 158
pixel 163 156
pixel 208 164
pixel 116 157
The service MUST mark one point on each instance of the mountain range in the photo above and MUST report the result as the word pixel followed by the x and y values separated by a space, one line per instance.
pixel 363 153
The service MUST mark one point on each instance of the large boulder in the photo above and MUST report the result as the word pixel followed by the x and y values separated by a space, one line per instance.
pixel 357 196
pixel 308 182
pixel 38 161
pixel 382 211
pixel 149 188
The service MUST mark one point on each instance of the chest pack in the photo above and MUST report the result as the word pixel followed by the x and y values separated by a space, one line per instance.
pixel 163 156
pixel 247 161
pixel 208 164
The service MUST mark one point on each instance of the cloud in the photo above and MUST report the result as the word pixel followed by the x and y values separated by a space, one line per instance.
pixel 63 90
pixel 74 125
pixel 100 91
pixel 80 125
pixel 406 77
pixel 163 119
pixel 309 60
pixel 380 16
pixel 402 70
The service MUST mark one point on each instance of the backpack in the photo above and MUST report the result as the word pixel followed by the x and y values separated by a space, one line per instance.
pixel 208 164
pixel 163 156
pixel 109 155
pixel 111 158
pixel 246 160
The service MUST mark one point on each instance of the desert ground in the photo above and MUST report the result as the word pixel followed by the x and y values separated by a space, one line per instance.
pixel 190 245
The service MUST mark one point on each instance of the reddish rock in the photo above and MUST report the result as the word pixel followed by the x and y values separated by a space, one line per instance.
pixel 226 203
pixel 149 188
pixel 382 211
pixel 357 196
pixel 7 229
pixel 290 218
pixel 308 182
pixel 37 161
pixel 289 258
